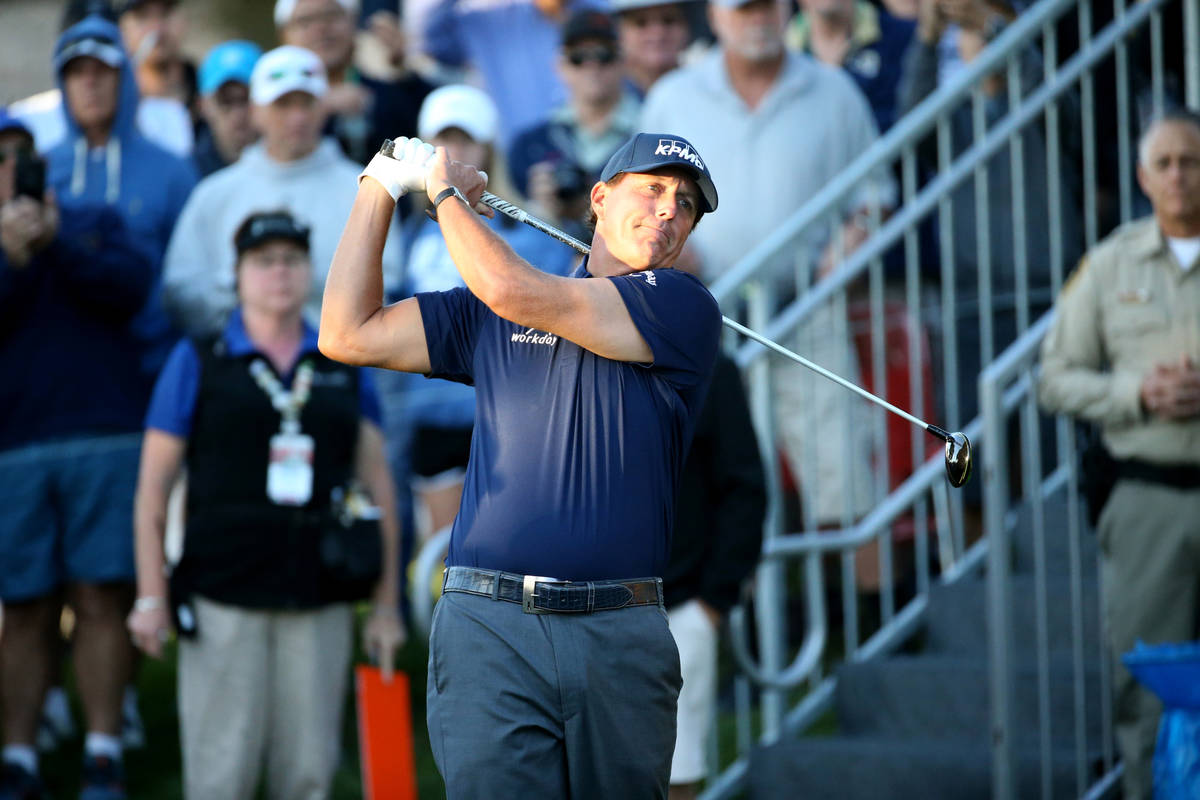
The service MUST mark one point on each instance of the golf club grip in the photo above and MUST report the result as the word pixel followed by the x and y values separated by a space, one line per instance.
pixel 388 148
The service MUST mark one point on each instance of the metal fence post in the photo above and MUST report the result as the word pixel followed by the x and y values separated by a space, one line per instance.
pixel 1000 638
pixel 770 582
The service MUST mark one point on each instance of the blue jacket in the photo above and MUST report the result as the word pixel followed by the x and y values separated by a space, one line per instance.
pixel 142 182
pixel 66 350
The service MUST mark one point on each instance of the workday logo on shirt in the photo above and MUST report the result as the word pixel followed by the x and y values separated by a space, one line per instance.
pixel 534 336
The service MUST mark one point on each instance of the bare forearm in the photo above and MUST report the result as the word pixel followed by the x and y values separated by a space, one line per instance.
pixel 387 592
pixel 373 471
pixel 353 299
pixel 493 272
pixel 150 524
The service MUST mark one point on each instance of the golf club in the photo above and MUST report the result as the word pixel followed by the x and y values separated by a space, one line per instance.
pixel 958 447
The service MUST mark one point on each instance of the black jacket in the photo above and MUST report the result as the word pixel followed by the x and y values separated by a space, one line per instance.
pixel 722 500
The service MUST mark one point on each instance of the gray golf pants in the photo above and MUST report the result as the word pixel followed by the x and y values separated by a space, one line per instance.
pixel 551 705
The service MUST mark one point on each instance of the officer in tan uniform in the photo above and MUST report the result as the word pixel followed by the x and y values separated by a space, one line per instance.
pixel 1124 352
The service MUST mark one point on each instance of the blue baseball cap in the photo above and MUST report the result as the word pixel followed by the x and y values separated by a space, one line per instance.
pixel 228 61
pixel 649 152
pixel 105 50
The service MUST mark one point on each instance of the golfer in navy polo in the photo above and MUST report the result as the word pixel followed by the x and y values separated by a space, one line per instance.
pixel 552 672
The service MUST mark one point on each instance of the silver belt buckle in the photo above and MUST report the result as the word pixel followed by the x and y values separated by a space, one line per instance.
pixel 528 593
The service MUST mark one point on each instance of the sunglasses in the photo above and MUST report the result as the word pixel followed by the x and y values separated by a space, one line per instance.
pixel 598 55
pixel 236 98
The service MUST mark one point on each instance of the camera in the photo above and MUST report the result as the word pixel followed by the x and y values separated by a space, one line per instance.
pixel 570 181
pixel 29 176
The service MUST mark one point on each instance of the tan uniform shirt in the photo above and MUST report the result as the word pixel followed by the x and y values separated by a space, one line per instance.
pixel 1128 307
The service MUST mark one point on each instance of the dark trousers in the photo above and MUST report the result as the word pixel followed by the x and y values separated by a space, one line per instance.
pixel 551 705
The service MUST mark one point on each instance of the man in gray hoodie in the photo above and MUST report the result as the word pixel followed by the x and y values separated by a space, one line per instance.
pixel 291 168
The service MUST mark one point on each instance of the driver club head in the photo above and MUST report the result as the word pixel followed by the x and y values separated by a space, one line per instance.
pixel 959 459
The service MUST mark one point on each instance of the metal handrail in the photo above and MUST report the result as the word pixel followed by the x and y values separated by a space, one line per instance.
pixel 926 200
pixel 906 132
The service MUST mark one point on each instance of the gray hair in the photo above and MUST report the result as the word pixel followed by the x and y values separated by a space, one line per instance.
pixel 1178 114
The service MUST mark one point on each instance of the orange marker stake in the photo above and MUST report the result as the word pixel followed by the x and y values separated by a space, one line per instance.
pixel 385 738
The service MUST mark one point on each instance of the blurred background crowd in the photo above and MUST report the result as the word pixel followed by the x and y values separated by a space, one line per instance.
pixel 174 178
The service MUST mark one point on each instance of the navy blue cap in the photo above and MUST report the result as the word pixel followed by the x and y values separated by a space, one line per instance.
pixel 649 152
pixel 102 49
pixel 267 226
pixel 589 24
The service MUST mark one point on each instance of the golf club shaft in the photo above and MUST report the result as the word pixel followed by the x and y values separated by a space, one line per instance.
pixel 838 379
pixel 520 215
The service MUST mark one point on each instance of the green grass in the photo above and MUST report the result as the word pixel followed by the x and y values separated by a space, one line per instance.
pixel 154 773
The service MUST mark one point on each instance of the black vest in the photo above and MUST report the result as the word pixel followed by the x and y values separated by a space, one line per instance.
pixel 241 548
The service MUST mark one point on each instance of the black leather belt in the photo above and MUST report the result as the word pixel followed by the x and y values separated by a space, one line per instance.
pixel 537 595
pixel 1177 476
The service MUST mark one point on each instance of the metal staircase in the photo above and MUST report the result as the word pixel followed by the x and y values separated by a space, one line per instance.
pixel 1005 695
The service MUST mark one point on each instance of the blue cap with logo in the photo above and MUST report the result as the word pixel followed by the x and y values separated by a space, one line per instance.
pixel 101 48
pixel 649 152
pixel 228 61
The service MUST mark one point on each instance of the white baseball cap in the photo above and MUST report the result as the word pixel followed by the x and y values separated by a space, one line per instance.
pixel 459 106
pixel 285 8
pixel 287 69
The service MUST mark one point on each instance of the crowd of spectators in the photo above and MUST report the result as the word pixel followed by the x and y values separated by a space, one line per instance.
pixel 162 223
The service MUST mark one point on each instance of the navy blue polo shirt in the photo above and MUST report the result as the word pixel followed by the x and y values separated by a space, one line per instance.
pixel 575 458
pixel 174 400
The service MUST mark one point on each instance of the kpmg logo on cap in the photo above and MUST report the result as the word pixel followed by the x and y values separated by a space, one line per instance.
pixel 673 147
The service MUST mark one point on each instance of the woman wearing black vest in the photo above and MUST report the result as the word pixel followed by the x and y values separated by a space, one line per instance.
pixel 270 432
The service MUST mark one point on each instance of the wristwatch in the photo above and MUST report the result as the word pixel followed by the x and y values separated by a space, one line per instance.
pixel 443 195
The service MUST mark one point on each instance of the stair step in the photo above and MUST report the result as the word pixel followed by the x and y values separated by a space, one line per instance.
pixel 861 768
pixel 1057 541
pixel 956 619
pixel 947 698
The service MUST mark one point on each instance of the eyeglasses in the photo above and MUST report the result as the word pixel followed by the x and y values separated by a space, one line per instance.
pixel 598 55
pixel 235 98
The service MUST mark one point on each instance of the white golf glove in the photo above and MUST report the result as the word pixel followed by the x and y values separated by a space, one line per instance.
pixel 403 171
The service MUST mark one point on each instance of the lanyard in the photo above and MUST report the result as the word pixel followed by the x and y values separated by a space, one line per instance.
pixel 288 404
